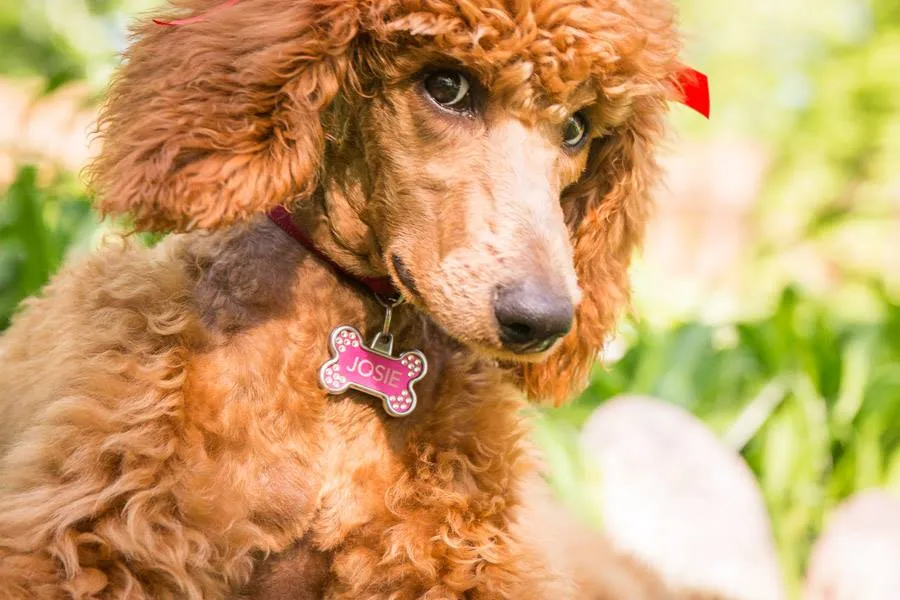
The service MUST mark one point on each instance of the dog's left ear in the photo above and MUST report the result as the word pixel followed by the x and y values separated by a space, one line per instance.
pixel 219 118
pixel 606 211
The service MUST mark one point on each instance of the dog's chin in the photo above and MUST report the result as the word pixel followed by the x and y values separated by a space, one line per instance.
pixel 505 355
pixel 494 350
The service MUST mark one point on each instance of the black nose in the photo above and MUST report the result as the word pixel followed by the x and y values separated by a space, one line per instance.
pixel 532 316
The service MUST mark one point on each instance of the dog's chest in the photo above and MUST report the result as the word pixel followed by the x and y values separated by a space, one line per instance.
pixel 357 467
pixel 430 491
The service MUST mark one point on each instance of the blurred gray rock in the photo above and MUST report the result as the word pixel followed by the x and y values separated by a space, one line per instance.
pixel 675 496
pixel 857 557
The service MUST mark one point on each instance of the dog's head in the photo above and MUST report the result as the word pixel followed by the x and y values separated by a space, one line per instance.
pixel 494 157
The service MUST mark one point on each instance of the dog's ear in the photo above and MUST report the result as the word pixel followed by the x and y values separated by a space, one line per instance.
pixel 606 210
pixel 216 119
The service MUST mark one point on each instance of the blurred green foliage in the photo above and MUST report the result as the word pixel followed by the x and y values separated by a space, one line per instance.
pixel 38 225
pixel 808 389
pixel 810 398
pixel 64 40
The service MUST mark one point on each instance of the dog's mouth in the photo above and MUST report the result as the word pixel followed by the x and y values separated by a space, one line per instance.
pixel 529 317
pixel 406 277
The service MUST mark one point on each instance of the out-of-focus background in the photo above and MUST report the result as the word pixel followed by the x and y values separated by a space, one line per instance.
pixel 767 300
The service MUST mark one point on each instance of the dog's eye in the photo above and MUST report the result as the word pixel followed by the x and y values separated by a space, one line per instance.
pixel 449 89
pixel 575 131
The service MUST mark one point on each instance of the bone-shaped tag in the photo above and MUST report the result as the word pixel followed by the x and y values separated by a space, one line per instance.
pixel 355 365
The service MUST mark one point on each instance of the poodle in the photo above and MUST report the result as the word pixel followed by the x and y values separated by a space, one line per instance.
pixel 464 179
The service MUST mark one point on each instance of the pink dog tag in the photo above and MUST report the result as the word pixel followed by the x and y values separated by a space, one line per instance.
pixel 372 369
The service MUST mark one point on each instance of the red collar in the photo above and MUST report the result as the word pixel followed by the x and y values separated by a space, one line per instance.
pixel 383 286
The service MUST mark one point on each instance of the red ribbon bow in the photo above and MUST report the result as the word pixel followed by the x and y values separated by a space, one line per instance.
pixel 694 89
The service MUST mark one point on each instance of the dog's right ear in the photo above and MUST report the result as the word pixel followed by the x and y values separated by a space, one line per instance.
pixel 213 121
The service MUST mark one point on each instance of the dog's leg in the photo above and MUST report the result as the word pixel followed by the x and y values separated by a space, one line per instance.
pixel 88 512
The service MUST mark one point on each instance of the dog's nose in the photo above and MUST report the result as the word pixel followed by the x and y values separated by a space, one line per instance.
pixel 532 316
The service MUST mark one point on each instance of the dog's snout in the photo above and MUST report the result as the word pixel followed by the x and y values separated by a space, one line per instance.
pixel 532 315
